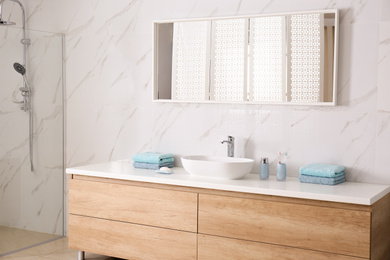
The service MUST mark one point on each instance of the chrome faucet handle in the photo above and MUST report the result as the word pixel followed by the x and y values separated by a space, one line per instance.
pixel 230 141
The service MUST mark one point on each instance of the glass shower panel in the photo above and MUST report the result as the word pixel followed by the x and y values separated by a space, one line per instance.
pixel 31 203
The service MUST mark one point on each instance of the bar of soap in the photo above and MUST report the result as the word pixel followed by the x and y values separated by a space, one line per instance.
pixel 165 170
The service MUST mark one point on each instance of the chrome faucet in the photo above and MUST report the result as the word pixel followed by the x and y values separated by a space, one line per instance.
pixel 230 142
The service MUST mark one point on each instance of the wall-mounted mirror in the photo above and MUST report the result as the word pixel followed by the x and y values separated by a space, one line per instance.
pixel 286 58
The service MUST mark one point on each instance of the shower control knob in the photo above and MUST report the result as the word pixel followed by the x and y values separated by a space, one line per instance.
pixel 25 41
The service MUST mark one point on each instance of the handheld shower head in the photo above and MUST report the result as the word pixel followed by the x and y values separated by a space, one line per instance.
pixel 22 71
pixel 19 68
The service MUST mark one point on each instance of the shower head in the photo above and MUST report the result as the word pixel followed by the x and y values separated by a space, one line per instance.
pixel 19 68
pixel 6 23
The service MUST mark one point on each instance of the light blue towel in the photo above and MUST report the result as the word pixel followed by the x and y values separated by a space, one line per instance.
pixel 150 157
pixel 152 166
pixel 322 180
pixel 322 170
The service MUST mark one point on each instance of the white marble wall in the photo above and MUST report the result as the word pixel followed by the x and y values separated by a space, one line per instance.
pixel 31 200
pixel 382 152
pixel 110 113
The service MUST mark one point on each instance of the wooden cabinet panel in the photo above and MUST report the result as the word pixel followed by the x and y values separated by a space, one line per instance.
pixel 380 243
pixel 130 241
pixel 211 248
pixel 318 228
pixel 149 206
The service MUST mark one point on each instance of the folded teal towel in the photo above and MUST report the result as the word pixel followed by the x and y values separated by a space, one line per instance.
pixel 322 170
pixel 322 180
pixel 150 157
pixel 152 166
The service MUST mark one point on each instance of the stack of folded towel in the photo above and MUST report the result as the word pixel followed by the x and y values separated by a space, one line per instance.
pixel 326 174
pixel 153 161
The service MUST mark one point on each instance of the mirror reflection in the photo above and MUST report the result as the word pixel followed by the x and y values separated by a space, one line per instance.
pixel 283 59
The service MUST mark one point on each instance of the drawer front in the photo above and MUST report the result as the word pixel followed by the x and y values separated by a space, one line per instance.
pixel 211 248
pixel 148 206
pixel 325 229
pixel 129 241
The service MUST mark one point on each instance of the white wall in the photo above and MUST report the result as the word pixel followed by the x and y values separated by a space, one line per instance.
pixel 110 113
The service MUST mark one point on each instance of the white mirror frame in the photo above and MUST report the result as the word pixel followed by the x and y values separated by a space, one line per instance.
pixel 156 65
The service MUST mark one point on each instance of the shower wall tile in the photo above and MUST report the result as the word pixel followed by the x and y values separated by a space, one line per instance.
pixel 31 200
pixel 383 67
pixel 385 10
pixel 383 133
pixel 96 129
pixel 381 172
pixel 358 69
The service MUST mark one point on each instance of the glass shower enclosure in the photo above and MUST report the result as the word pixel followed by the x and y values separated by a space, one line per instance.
pixel 31 202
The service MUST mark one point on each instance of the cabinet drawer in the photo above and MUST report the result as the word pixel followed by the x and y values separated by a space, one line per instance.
pixel 211 248
pixel 148 206
pixel 339 231
pixel 129 241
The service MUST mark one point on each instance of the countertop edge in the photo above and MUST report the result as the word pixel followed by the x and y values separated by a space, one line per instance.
pixel 235 188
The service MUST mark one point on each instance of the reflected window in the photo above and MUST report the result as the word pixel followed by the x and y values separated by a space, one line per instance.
pixel 267 59
pixel 228 60
pixel 306 36
pixel 271 59
pixel 191 55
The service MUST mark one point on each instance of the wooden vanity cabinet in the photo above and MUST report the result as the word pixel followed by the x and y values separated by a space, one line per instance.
pixel 131 222
pixel 137 220
pixel 142 205
pixel 213 247
pixel 326 229
pixel 248 226
pixel 128 240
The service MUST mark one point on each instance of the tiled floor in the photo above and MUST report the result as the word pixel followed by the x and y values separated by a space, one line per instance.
pixel 12 239
pixel 57 250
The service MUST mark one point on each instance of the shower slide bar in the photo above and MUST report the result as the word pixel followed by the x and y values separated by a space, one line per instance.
pixel 25 90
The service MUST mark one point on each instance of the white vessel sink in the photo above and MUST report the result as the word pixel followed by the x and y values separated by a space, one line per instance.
pixel 217 166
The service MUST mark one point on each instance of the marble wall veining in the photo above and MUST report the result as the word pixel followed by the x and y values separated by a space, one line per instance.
pixel 31 200
pixel 110 113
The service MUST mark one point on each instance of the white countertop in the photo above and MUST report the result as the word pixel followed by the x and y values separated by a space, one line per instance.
pixel 348 192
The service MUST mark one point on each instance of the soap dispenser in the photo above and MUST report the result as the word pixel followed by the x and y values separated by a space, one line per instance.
pixel 264 169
